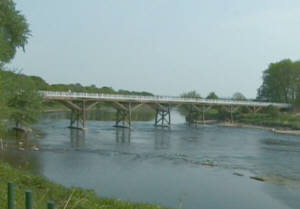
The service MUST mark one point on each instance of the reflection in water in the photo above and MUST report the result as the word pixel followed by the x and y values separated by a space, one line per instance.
pixel 110 115
pixel 23 160
pixel 21 152
pixel 161 139
pixel 77 138
pixel 103 115
pixel 123 135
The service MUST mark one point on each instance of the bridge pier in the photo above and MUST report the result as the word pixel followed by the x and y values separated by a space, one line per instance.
pixel 231 109
pixel 123 118
pixel 163 116
pixel 78 116
pixel 123 115
pixel 255 109
pixel 78 112
pixel 190 118
pixel 193 113
pixel 124 112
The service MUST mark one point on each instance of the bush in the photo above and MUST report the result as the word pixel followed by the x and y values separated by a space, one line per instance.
pixel 272 111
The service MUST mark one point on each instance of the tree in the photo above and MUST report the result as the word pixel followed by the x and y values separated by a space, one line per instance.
pixel 212 95
pixel 23 101
pixel 190 94
pixel 187 109
pixel 280 82
pixel 238 97
pixel 14 30
pixel 39 83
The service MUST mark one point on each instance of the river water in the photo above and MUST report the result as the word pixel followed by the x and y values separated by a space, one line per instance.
pixel 205 167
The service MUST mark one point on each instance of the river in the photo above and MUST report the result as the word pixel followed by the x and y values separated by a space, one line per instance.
pixel 197 167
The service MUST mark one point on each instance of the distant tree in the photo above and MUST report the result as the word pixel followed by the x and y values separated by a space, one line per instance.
pixel 145 93
pixel 125 92
pixel 280 82
pixel 212 95
pixel 14 30
pixel 107 90
pixel 187 110
pixel 191 94
pixel 91 89
pixel 239 97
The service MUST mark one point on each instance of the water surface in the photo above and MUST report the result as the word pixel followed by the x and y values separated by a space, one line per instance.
pixel 192 166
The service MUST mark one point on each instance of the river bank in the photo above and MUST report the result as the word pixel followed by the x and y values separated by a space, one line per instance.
pixel 278 130
pixel 44 190
pixel 281 130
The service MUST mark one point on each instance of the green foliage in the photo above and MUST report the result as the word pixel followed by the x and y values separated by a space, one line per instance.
pixel 281 83
pixel 14 30
pixel 239 97
pixel 20 101
pixel 25 104
pixel 223 115
pixel 43 191
pixel 187 110
pixel 272 111
pixel 191 94
pixel 212 95
pixel 39 83
pixel 271 117
pixel 42 85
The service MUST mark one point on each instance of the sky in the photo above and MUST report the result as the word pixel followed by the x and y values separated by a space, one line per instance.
pixel 166 47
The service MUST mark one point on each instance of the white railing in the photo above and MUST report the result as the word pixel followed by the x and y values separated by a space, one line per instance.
pixel 164 99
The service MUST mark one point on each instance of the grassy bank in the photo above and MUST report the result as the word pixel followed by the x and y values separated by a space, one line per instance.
pixel 286 121
pixel 269 117
pixel 44 190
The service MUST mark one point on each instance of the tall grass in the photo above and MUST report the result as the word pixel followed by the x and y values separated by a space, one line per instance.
pixel 44 191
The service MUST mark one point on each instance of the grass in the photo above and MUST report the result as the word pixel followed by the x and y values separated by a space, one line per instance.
pixel 283 120
pixel 44 190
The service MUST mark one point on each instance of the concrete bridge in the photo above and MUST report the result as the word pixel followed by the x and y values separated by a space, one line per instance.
pixel 79 103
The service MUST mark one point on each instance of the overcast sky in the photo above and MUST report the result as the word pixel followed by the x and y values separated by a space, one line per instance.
pixel 163 46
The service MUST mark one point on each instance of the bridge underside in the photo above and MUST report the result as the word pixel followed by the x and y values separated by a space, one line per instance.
pixel 162 111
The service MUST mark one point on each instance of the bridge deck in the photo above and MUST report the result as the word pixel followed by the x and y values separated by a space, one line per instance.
pixel 55 95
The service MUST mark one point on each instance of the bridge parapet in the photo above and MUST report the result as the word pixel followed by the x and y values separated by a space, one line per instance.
pixel 57 95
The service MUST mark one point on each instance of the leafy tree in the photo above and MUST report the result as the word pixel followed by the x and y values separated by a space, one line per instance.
pixel 188 110
pixel 14 30
pixel 191 94
pixel 39 83
pixel 239 97
pixel 280 82
pixel 23 101
pixel 212 95
pixel 107 90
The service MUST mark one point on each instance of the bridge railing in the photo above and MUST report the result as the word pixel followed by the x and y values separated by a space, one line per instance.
pixel 60 94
